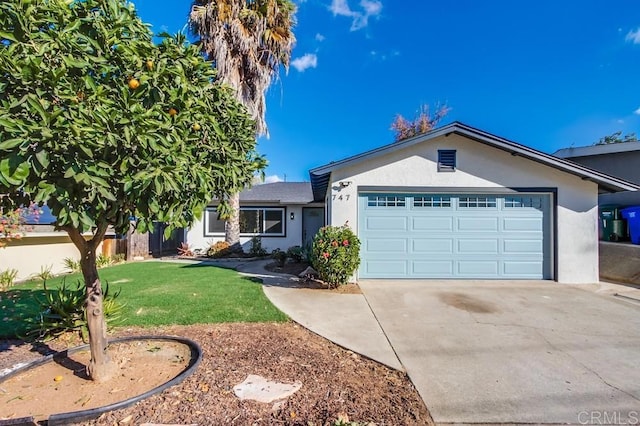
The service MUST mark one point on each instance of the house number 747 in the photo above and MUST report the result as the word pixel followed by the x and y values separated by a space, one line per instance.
pixel 340 197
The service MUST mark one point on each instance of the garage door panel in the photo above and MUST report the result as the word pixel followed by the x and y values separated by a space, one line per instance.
pixel 479 236
pixel 386 245
pixel 432 268
pixel 523 269
pixel 387 223
pixel 523 246
pixel 436 223
pixel 478 268
pixel 478 246
pixel 386 268
pixel 478 224
pixel 523 224
pixel 432 245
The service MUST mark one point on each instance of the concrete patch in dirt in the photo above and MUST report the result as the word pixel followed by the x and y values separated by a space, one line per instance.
pixel 260 389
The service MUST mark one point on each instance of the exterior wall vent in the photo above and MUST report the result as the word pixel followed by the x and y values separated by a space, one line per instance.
pixel 446 160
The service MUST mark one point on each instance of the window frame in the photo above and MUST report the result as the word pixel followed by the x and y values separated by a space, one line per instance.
pixel 283 216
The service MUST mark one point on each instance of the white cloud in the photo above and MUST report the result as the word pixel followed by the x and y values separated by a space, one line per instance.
pixel 637 112
pixel 273 179
pixel 320 37
pixel 370 8
pixel 306 61
pixel 633 36
pixel 340 7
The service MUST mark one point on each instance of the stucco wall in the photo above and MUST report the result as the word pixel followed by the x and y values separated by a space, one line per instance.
pixel 480 166
pixel 621 164
pixel 32 253
pixel 196 238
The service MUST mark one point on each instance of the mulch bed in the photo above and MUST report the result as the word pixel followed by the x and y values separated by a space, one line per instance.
pixel 335 382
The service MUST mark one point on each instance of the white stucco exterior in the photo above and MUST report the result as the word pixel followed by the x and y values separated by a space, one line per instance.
pixel 480 166
pixel 197 238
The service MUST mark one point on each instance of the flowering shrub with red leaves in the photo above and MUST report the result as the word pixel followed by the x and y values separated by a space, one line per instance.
pixel 12 222
pixel 335 254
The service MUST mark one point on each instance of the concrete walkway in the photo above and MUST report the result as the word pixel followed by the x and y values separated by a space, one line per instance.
pixel 485 351
pixel 345 319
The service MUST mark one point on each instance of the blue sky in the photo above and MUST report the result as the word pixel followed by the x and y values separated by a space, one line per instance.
pixel 548 74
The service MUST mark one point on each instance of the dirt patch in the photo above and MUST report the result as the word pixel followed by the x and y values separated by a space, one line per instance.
pixel 63 385
pixel 295 269
pixel 291 268
pixel 335 381
pixel 467 303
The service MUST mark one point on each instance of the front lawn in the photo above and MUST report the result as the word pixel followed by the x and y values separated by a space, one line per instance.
pixel 158 293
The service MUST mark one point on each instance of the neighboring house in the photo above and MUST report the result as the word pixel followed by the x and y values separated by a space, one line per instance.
pixel 456 202
pixel 282 214
pixel 617 159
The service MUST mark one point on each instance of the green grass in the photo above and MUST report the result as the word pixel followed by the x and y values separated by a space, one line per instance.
pixel 158 293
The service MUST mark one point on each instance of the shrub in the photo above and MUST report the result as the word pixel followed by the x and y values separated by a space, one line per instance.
pixel 45 273
pixel 62 310
pixel 296 253
pixel 7 278
pixel 103 260
pixel 72 265
pixel 335 254
pixel 118 258
pixel 219 249
pixel 185 250
pixel 256 248
pixel 280 256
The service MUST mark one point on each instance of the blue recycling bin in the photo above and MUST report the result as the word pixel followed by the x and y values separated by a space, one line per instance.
pixel 632 214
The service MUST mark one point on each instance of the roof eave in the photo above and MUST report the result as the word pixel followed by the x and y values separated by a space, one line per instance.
pixel 320 175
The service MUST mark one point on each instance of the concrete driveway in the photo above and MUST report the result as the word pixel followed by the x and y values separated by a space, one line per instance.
pixel 514 352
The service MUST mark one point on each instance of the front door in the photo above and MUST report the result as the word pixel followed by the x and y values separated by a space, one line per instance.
pixel 312 221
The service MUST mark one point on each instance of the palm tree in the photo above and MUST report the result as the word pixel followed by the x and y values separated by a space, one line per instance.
pixel 247 40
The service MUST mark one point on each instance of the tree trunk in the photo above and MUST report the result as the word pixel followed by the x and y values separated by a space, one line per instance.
pixel 100 368
pixel 232 230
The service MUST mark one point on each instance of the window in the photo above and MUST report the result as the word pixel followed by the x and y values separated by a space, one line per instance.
pixel 432 201
pixel 522 202
pixel 446 160
pixel 212 222
pixel 267 221
pixel 385 201
pixel 481 202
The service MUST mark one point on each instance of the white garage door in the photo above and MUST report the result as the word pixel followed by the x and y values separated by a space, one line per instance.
pixel 464 236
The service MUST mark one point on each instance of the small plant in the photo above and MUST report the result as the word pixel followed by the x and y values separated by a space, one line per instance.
pixel 103 260
pixel 62 310
pixel 45 273
pixel 343 420
pixel 279 256
pixel 7 278
pixel 336 254
pixel 117 259
pixel 219 249
pixel 256 248
pixel 72 265
pixel 296 253
pixel 185 250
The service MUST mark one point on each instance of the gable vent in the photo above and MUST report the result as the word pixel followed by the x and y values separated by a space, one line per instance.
pixel 446 160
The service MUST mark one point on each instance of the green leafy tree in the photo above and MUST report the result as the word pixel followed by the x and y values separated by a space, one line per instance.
pixel 103 125
pixel 248 40
pixel 617 138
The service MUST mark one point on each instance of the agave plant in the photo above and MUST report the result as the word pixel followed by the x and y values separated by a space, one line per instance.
pixel 62 310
